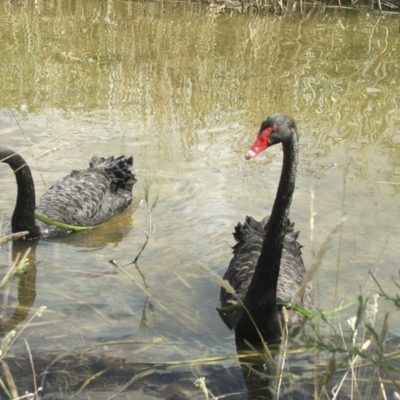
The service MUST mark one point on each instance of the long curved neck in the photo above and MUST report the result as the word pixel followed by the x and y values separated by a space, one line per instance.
pixel 23 218
pixel 263 286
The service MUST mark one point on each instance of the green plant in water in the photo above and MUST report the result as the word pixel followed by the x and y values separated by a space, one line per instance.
pixel 363 351
pixel 59 224
pixel 19 267
pixel 343 358
pixel 394 299
pixel 151 199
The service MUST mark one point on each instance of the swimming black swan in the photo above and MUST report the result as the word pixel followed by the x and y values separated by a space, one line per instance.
pixel 83 198
pixel 267 268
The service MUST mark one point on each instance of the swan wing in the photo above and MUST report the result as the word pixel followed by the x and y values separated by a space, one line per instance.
pixel 89 197
pixel 246 252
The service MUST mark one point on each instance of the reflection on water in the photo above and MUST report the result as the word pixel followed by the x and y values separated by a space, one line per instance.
pixel 185 93
pixel 26 291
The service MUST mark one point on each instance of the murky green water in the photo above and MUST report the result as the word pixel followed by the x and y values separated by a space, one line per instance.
pixel 185 94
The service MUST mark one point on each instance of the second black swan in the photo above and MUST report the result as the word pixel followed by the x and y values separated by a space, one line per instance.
pixel 267 267
pixel 82 198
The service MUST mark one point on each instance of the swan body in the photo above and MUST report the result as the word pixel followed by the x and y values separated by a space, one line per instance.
pixel 267 267
pixel 82 198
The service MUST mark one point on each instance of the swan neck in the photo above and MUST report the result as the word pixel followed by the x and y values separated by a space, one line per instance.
pixel 265 279
pixel 283 200
pixel 23 218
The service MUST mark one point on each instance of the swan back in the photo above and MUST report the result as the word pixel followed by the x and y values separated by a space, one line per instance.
pixel 89 197
pixel 246 253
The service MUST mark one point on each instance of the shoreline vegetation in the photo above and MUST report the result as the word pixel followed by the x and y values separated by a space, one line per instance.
pixel 279 7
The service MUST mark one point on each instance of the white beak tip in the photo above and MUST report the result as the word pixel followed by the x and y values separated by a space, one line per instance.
pixel 249 154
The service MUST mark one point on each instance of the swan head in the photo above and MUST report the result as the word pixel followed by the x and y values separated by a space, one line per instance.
pixel 277 128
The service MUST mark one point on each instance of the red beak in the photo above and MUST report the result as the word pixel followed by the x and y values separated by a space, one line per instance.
pixel 260 144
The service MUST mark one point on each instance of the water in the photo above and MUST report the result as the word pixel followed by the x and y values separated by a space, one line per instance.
pixel 185 94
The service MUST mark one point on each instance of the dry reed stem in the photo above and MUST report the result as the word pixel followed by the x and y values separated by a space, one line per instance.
pixel 9 379
pixel 12 336
pixel 282 354
pixel 351 368
pixel 342 213
pixel 19 266
pixel 217 279
pixel 13 236
pixel 201 384
pixel 141 250
pixel 33 370
pixel 145 289
pixel 318 257
pixel 228 287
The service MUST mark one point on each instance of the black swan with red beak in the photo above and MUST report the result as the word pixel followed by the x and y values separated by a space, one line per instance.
pixel 82 198
pixel 267 268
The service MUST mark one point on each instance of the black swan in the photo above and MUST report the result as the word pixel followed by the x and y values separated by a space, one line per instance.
pixel 83 198
pixel 267 267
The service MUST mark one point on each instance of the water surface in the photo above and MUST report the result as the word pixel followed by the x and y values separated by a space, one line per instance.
pixel 185 92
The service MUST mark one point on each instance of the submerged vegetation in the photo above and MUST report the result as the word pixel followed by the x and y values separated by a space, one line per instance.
pixel 339 356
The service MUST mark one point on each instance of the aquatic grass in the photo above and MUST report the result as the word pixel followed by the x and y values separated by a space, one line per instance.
pixel 7 342
pixel 12 336
pixel 16 270
pixel 360 351
pixel 348 353
pixel 151 199
pixel 36 389
pixel 358 361
pixel 395 299
pixel 19 266
pixel 139 369
pixel 354 353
